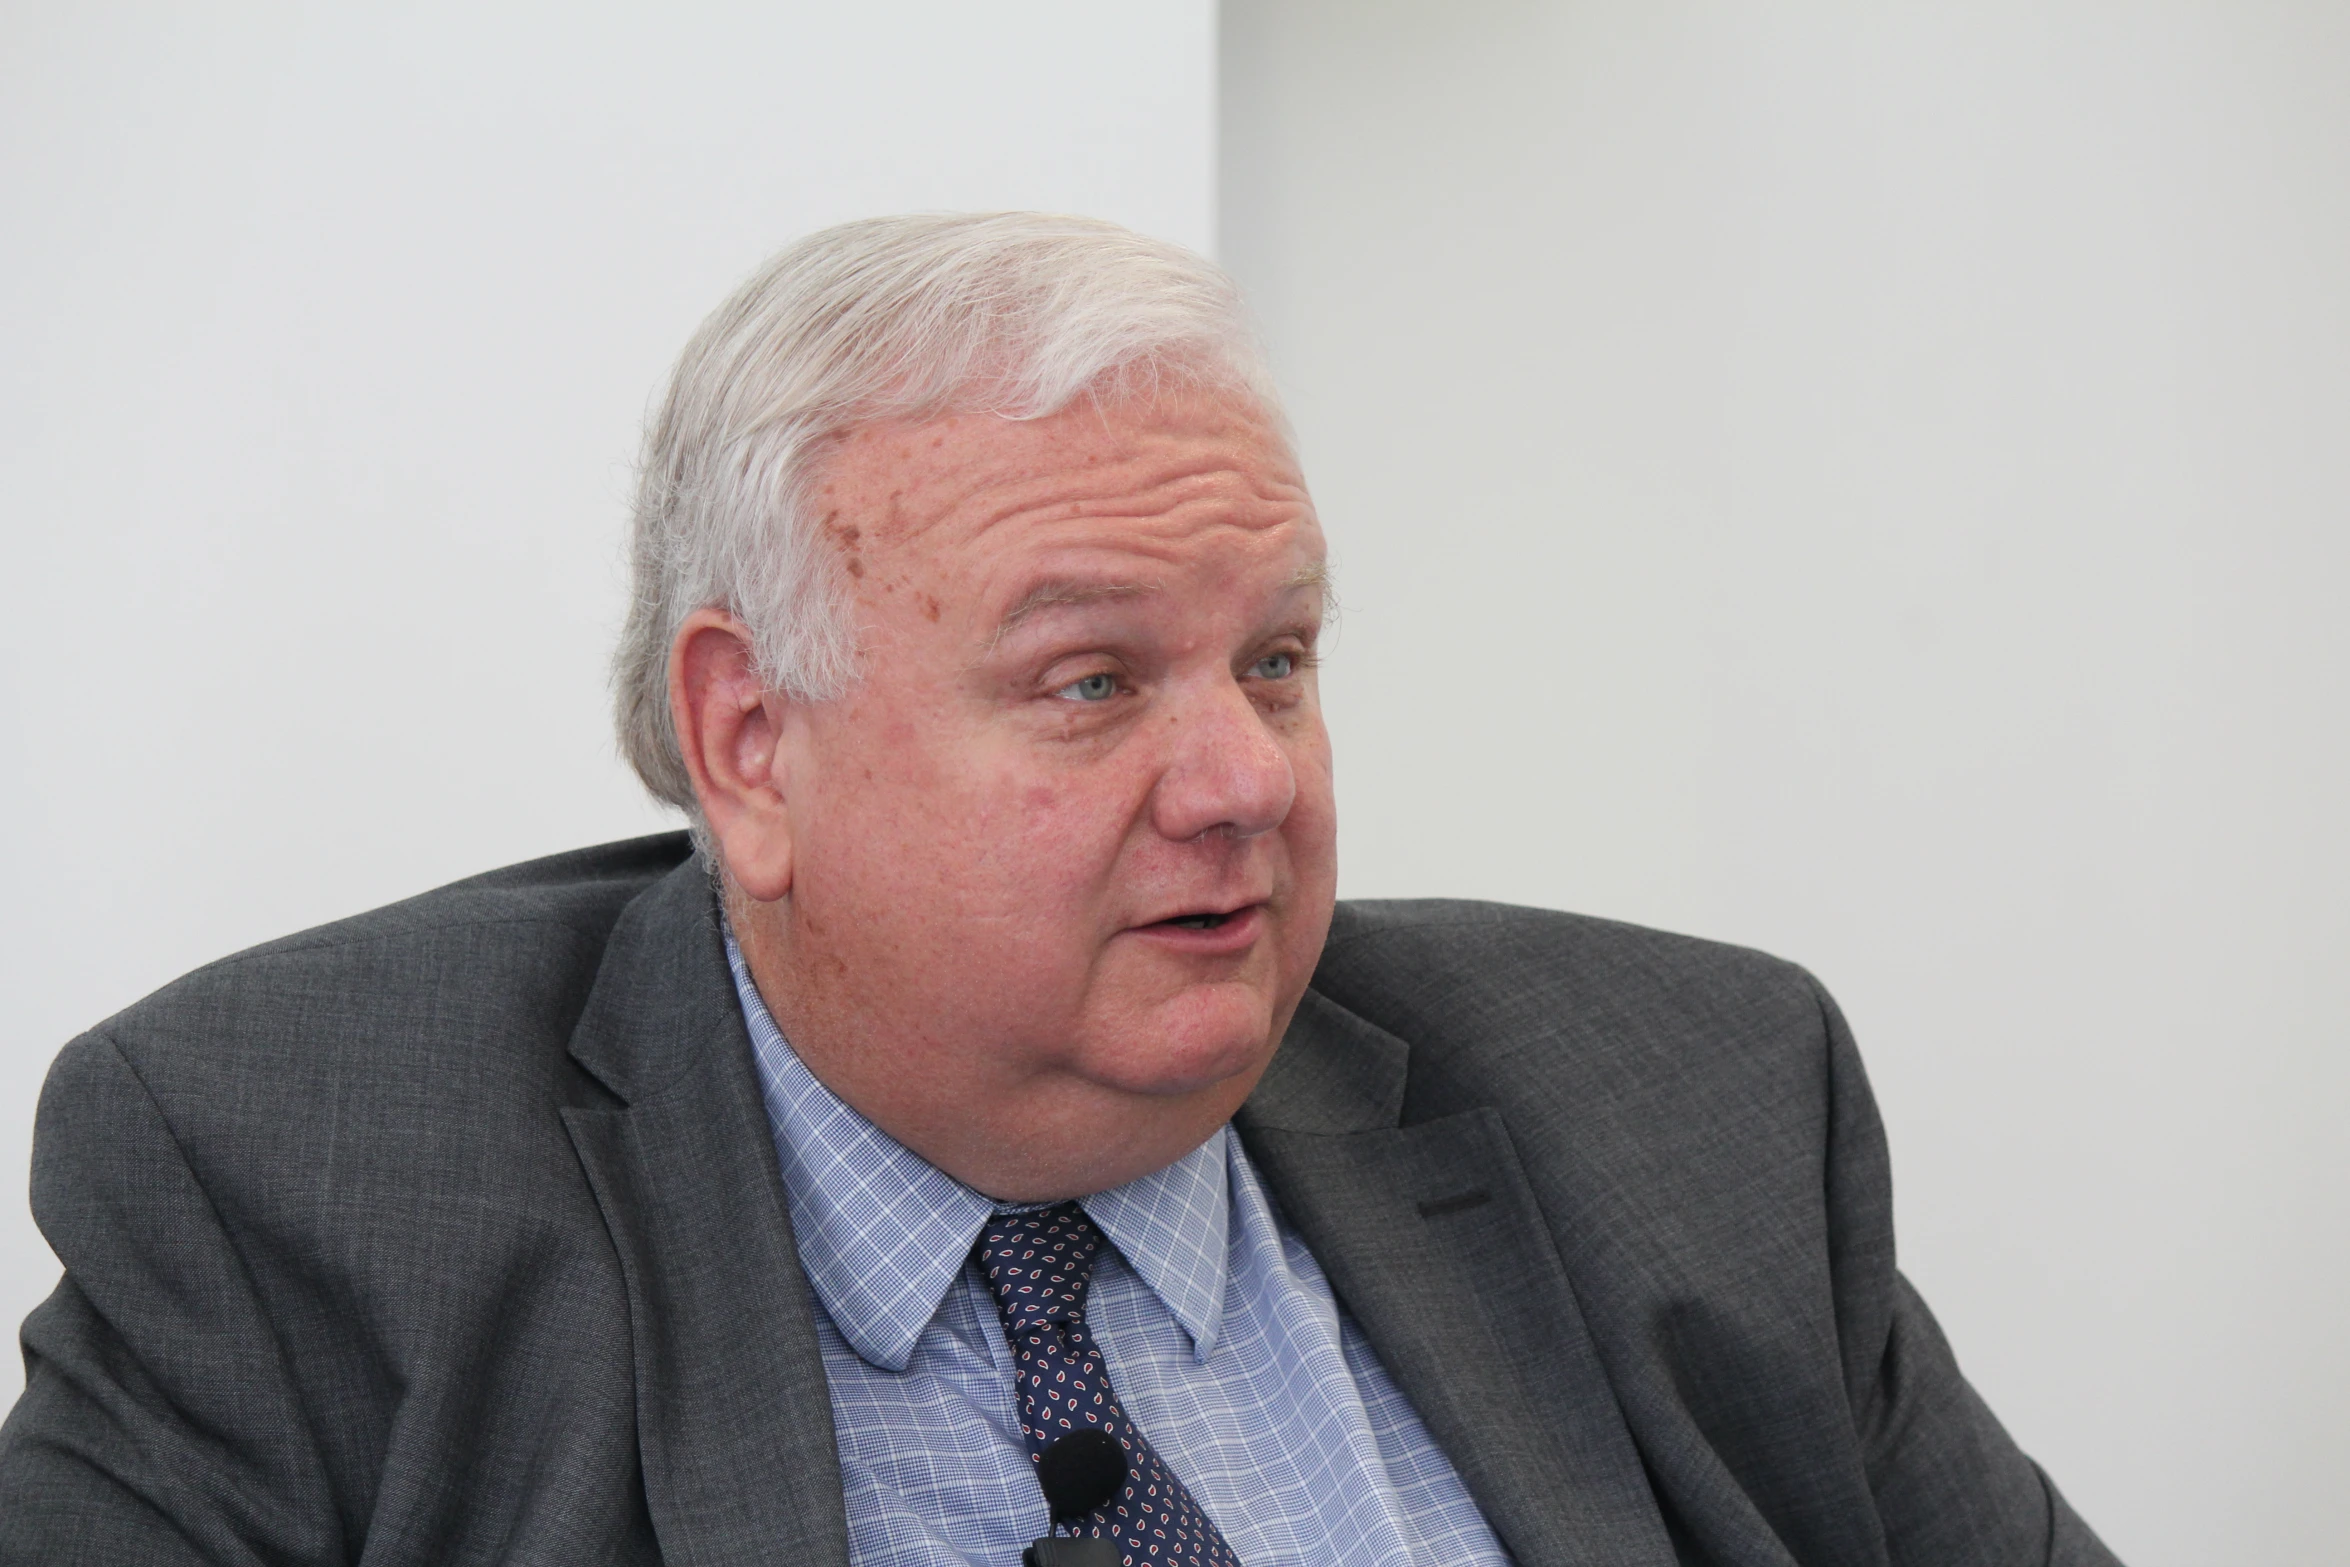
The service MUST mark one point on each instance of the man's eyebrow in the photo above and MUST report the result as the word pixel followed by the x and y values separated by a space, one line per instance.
pixel 1053 594
pixel 1059 591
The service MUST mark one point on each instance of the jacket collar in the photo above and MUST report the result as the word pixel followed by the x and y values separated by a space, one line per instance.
pixel 734 1418
pixel 1333 1074
pixel 1430 1235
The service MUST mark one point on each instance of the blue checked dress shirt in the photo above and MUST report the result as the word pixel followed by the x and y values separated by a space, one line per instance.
pixel 1221 1337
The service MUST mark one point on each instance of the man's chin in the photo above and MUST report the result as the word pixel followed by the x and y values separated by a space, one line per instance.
pixel 1192 1047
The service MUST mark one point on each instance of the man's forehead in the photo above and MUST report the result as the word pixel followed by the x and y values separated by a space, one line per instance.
pixel 901 477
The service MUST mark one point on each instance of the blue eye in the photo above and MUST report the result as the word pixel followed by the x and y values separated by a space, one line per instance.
pixel 1276 666
pixel 1093 688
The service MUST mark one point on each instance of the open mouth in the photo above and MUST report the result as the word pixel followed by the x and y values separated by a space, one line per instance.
pixel 1211 929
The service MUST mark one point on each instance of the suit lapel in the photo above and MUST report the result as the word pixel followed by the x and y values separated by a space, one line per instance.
pixel 734 1420
pixel 1430 1235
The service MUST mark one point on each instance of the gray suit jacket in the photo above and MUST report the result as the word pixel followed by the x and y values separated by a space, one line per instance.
pixel 453 1234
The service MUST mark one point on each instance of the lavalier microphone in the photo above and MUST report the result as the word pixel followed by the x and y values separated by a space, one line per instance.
pixel 1079 1472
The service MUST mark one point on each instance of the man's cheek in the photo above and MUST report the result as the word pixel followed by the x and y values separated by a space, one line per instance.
pixel 1067 828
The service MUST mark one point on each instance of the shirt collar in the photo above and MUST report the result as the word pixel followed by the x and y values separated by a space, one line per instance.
pixel 882 1232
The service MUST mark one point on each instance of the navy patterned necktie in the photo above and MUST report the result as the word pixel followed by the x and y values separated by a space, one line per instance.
pixel 1039 1265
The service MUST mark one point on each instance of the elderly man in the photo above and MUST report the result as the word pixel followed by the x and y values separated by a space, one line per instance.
pixel 906 1172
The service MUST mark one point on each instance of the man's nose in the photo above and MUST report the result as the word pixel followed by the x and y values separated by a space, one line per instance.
pixel 1226 770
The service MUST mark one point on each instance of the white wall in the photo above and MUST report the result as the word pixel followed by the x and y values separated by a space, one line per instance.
pixel 325 336
pixel 1872 482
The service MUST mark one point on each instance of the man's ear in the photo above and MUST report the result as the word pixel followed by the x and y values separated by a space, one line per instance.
pixel 730 733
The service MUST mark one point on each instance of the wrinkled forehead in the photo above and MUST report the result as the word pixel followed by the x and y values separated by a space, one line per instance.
pixel 1167 462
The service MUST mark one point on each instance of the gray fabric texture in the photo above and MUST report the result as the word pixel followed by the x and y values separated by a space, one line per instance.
pixel 452 1234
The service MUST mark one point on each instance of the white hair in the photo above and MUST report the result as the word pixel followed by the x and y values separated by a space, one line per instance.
pixel 1010 313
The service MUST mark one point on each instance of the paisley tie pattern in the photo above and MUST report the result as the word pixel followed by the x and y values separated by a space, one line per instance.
pixel 1039 1265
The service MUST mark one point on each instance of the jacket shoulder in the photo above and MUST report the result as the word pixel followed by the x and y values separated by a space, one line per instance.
pixel 1602 1043
pixel 585 888
pixel 344 1155
pixel 1449 967
pixel 1468 925
pixel 465 976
